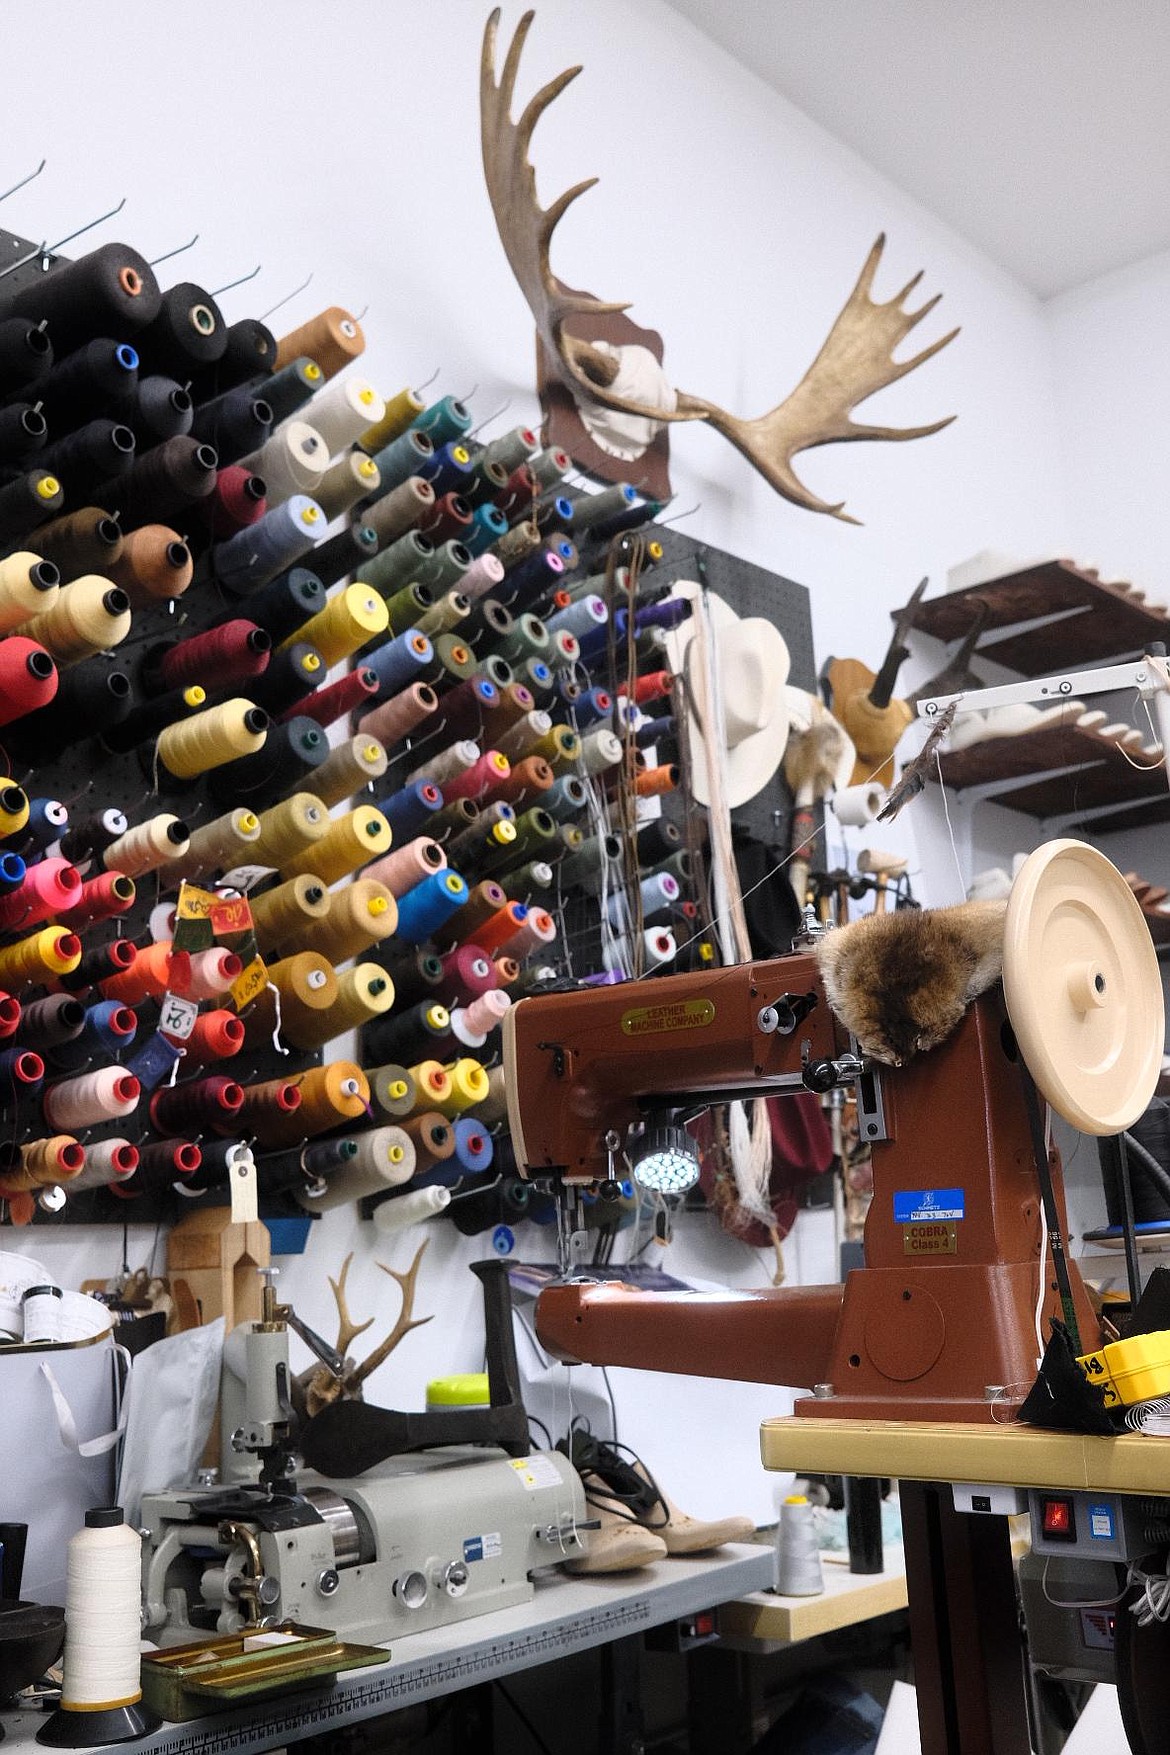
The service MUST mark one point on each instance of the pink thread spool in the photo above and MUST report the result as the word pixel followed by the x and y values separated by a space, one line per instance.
pixel 47 888
pixel 400 715
pixel 484 1014
pixel 107 1094
pixel 11 1012
pixel 539 929
pixel 468 972
pixel 482 576
pixel 212 973
pixel 407 866
pixel 492 768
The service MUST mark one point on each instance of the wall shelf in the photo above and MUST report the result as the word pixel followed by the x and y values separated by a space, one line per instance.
pixel 1057 770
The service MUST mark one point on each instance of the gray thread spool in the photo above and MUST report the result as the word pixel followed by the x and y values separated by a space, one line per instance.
pixel 798 1559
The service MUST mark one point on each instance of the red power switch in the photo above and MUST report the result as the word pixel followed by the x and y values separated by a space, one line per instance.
pixel 1057 1520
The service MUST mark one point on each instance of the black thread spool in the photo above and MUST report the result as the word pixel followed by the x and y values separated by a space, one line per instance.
pixel 96 453
pixel 488 481
pixel 187 334
pixel 162 410
pixel 109 291
pixel 90 699
pixel 490 619
pixel 250 356
pixel 236 423
pixel 98 963
pixel 93 834
pixel 86 541
pixel 100 378
pixel 290 388
pixel 344 553
pixel 292 673
pixel 29 502
pixel 417 972
pixel 146 717
pixel 284 604
pixel 26 353
pixel 23 432
pixel 291 752
pixel 163 482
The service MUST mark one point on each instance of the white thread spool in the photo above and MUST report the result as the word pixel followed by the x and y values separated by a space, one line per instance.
pixel 102 1620
pixel 410 1209
pixel 600 749
pixel 106 1094
pixel 292 462
pixel 147 846
pixel 658 947
pixel 106 1161
pixel 344 410
pixel 855 806
pixel 40 1306
pixel 386 1159
pixel 454 760
pixel 798 1559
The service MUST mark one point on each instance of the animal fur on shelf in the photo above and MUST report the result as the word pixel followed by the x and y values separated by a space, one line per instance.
pixel 901 982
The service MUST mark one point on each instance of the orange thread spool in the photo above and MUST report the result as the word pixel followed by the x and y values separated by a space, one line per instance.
pixel 42 1162
pixel 332 338
pixel 148 977
pixel 653 782
pixel 330 1096
pixel 363 914
pixel 307 986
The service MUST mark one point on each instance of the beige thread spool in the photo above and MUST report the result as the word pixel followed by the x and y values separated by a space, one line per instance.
pixel 148 845
pixel 396 718
pixel 399 510
pixel 350 841
pixel 386 1159
pixel 493 1107
pixel 523 539
pixel 448 764
pixel 292 909
pixel 364 992
pixel 331 1095
pixel 291 827
pixel 207 740
pixel 155 565
pixel 332 338
pixel 88 617
pixel 399 412
pixel 20 594
pixel 406 866
pixel 361 914
pixel 347 481
pixel 447 613
pixel 291 462
pixel 306 985
pixel 521 739
pixel 107 1093
pixel 218 846
pixel 345 410
pixel 348 622
pixel 349 767
pixel 43 1162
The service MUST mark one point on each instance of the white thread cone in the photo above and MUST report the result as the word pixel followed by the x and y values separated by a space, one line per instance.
pixel 798 1559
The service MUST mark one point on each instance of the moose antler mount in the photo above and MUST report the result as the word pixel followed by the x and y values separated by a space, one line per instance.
pixel 855 361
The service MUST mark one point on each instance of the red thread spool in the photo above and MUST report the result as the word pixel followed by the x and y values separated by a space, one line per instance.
pixel 468 971
pixel 144 974
pixel 561 599
pixel 216 1036
pixel 238 499
pixel 476 782
pixel 346 696
pixel 519 494
pixel 28 678
pixel 10 1013
pixel 507 971
pixel 160 1162
pixel 532 775
pixel 100 898
pixel 499 928
pixel 655 781
pixel 447 519
pixel 46 889
pixel 272 1098
pixel 223 657
pixel 656 685
pixel 101 964
pixel 213 1103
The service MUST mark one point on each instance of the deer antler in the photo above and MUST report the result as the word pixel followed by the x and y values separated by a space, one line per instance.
pixel 402 1327
pixel 347 1329
pixel 855 361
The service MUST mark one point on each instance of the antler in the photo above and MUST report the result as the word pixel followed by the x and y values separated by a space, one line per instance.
pixel 402 1327
pixel 347 1329
pixel 855 361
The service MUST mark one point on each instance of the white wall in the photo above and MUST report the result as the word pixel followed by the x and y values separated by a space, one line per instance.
pixel 347 144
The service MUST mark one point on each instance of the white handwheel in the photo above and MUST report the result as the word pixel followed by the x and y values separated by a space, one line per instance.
pixel 1083 988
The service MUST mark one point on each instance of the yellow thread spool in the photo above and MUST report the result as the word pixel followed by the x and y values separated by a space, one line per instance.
pixel 40 1165
pixel 401 412
pixel 351 619
pixel 349 842
pixel 469 1086
pixel 307 986
pixel 362 914
pixel 229 840
pixel 89 616
pixel 20 598
pixel 207 740
pixel 346 482
pixel 148 845
pixel 52 951
pixel 331 1095
pixel 14 809
pixel 289 828
pixel 560 747
pixel 292 909
pixel 364 992
pixel 348 767
pixel 432 1084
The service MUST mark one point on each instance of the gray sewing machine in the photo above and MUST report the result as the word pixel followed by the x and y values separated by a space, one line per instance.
pixel 420 1537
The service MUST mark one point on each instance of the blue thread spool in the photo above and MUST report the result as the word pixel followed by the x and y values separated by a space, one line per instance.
pixel 407 810
pixel 423 910
pixel 593 704
pixel 400 662
pixel 537 573
pixel 403 457
pixel 473 1145
pixel 449 469
pixel 582 618
pixel 97 1032
pixel 488 524
pixel 260 551
pixel 48 820
pixel 12 872
pixel 21 1072
pixel 654 731
pixel 565 798
pixel 444 421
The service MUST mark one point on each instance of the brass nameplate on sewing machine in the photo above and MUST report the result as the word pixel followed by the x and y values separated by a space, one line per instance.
pixel 936 1239
pixel 683 1014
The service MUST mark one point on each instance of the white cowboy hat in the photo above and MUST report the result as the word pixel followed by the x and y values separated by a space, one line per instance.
pixel 753 669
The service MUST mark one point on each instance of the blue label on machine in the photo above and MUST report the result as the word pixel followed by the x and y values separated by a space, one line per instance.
pixel 1102 1526
pixel 473 1549
pixel 921 1206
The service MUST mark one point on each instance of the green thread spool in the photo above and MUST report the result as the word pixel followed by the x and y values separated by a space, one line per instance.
pixel 457 658
pixel 408 606
pixel 536 838
pixel 526 638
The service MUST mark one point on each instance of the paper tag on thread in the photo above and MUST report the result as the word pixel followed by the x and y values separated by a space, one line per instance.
pixel 231 917
pixel 194 903
pixel 242 1182
pixel 248 985
pixel 177 1016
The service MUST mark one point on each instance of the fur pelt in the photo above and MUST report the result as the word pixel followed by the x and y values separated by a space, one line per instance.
pixel 901 982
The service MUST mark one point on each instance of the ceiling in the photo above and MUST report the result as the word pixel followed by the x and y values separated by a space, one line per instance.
pixel 1038 129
